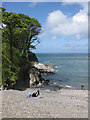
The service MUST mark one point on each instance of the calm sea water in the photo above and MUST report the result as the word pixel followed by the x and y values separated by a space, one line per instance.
pixel 70 69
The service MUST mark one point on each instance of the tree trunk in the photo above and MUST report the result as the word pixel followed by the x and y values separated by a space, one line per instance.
pixel 11 48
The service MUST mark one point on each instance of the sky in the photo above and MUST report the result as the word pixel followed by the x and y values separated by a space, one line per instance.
pixel 64 24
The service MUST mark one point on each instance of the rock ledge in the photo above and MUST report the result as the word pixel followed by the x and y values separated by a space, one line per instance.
pixel 44 68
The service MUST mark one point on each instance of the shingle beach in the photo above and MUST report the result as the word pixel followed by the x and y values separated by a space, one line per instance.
pixel 63 103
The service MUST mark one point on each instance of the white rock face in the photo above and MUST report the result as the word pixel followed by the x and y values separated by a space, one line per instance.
pixel 44 67
pixel 33 79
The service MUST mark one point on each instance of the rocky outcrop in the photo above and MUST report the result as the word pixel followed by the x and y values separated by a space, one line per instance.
pixel 44 68
pixel 37 79
pixel 38 70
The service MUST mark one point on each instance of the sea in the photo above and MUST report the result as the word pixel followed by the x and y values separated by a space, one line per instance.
pixel 70 69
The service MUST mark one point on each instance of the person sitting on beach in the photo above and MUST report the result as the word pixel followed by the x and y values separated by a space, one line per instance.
pixel 38 92
pixel 35 94
pixel 29 95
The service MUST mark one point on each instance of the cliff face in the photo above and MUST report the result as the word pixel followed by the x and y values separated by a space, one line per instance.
pixel 30 73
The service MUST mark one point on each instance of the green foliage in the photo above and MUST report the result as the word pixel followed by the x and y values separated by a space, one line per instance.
pixel 8 75
pixel 19 36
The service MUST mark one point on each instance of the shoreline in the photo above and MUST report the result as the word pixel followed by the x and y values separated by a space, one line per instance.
pixel 58 87
pixel 49 86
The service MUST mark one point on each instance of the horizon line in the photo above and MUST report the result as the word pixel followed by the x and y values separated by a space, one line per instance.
pixel 60 53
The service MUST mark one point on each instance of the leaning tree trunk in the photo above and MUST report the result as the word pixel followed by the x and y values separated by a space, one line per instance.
pixel 23 80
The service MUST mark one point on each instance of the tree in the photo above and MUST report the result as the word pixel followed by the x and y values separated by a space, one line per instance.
pixel 20 34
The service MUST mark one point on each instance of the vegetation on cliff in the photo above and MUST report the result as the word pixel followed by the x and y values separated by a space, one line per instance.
pixel 19 36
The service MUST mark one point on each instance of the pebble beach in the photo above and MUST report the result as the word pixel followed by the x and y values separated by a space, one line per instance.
pixel 63 103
